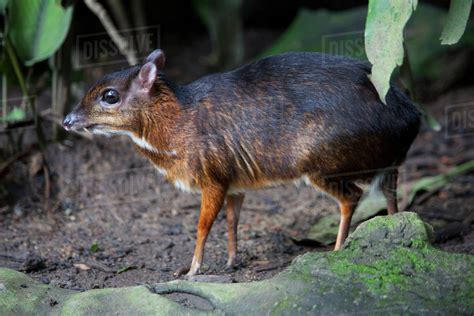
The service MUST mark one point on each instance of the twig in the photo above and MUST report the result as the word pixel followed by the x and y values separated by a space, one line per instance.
pixel 99 266
pixel 118 12
pixel 104 18
pixel 12 159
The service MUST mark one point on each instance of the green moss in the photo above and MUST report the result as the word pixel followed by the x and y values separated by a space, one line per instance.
pixel 34 297
pixel 379 275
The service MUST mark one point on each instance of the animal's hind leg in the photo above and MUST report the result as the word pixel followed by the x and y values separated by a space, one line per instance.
pixel 389 190
pixel 234 204
pixel 348 195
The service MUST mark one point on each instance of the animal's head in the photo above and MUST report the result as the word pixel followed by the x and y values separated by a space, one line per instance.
pixel 121 101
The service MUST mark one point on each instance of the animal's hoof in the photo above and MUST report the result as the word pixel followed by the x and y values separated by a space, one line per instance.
pixel 230 266
pixel 190 275
pixel 192 271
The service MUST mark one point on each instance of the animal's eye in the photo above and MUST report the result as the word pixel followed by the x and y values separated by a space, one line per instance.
pixel 111 96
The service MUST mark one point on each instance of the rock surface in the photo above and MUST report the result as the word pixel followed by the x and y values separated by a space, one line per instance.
pixel 386 266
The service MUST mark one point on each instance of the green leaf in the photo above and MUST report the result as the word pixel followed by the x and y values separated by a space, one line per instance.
pixel 37 28
pixel 457 19
pixel 15 115
pixel 384 39
pixel 94 247
pixel 432 121
pixel 337 33
pixel 125 269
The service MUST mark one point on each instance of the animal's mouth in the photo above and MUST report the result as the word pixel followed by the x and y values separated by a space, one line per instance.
pixel 92 127
pixel 80 127
pixel 86 127
pixel 78 124
pixel 98 129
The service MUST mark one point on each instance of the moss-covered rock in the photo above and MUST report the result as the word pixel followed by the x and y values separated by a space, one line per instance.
pixel 20 295
pixel 386 266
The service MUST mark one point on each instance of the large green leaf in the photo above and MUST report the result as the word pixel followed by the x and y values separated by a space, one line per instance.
pixel 457 19
pixel 338 33
pixel 386 20
pixel 15 115
pixel 37 28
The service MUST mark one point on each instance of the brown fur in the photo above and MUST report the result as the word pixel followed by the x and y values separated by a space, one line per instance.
pixel 270 122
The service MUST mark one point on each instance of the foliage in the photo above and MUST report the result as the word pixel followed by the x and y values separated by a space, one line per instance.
pixel 94 247
pixel 384 39
pixel 33 32
pixel 37 28
pixel 457 19
pixel 385 22
pixel 331 32
pixel 16 114
pixel 384 35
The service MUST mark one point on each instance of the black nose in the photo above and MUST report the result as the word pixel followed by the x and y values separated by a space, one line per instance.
pixel 69 121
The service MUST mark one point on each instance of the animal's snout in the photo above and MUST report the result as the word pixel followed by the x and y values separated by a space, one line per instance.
pixel 69 121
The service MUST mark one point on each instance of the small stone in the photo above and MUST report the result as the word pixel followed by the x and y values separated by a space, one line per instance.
pixel 18 210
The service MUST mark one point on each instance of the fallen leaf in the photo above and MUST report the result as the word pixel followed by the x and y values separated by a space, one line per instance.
pixel 124 269
pixel 82 266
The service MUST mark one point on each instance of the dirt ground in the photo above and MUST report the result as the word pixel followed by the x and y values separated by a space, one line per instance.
pixel 111 220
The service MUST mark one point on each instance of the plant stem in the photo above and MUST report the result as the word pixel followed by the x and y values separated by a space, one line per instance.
pixel 24 90
pixel 16 67
pixel 104 18
pixel 4 100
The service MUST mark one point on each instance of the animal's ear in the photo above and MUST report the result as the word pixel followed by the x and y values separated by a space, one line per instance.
pixel 147 76
pixel 156 57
